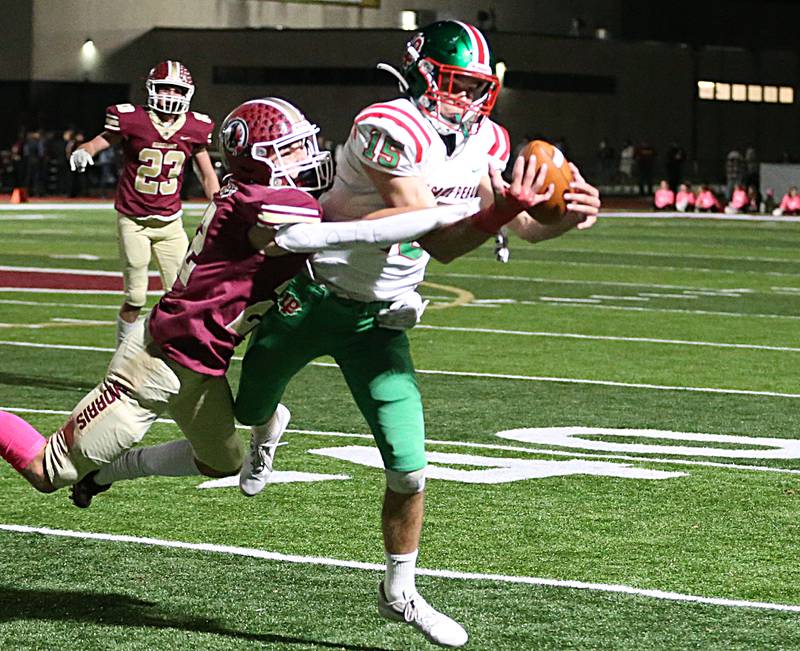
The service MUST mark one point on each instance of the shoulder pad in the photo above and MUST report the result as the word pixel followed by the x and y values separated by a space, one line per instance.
pixel 401 122
pixel 202 117
pixel 276 206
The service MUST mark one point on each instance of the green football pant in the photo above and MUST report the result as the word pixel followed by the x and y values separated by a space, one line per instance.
pixel 309 321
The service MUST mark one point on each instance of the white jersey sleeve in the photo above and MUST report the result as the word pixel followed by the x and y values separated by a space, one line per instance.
pixel 391 137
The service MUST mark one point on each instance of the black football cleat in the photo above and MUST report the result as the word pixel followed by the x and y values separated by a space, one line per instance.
pixel 85 489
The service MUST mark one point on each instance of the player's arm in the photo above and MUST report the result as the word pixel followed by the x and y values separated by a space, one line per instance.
pixel 204 169
pixel 444 244
pixel 84 154
pixel 582 209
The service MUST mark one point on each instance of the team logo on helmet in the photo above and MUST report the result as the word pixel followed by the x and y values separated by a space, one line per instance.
pixel 234 136
pixel 413 49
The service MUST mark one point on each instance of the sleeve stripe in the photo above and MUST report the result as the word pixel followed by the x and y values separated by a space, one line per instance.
pixel 501 142
pixel 398 122
pixel 284 218
pixel 111 127
pixel 274 207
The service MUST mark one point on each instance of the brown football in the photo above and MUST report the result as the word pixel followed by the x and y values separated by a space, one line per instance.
pixel 558 173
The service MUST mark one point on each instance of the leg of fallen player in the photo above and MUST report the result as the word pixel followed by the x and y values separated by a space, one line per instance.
pixel 23 447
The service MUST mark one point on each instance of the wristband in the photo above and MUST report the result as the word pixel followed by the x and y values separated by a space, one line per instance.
pixel 490 221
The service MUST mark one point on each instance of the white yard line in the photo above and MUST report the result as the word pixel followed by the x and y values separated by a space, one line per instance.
pixel 493 376
pixel 531 450
pixel 654 254
pixel 379 567
pixel 67 271
pixel 572 335
pixel 705 215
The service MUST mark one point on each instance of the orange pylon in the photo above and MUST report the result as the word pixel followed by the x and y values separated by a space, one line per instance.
pixel 19 195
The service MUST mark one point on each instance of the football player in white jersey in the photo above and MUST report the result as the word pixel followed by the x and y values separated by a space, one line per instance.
pixel 434 145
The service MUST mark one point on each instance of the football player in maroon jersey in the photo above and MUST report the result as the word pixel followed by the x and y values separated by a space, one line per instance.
pixel 251 241
pixel 157 142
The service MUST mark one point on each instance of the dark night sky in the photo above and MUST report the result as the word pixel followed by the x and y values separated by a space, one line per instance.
pixel 768 24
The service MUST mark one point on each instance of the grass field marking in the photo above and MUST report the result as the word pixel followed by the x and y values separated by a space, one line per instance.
pixel 462 296
pixel 654 254
pixel 720 217
pixel 379 567
pixel 629 265
pixel 595 304
pixel 28 217
pixel 572 335
pixel 82 306
pixel 69 272
pixel 530 448
pixel 605 283
pixel 608 297
pixel 81 205
pixel 493 376
pixel 42 290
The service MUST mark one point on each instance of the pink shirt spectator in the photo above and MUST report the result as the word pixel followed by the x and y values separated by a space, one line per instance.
pixel 707 201
pixel 739 200
pixel 790 204
pixel 664 198
pixel 684 199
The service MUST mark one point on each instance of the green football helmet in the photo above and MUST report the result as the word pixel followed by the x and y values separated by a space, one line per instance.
pixel 448 68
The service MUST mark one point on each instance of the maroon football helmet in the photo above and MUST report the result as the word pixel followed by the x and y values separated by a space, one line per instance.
pixel 255 140
pixel 163 76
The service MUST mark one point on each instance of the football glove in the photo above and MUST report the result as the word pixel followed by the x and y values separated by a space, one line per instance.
pixel 403 314
pixel 79 159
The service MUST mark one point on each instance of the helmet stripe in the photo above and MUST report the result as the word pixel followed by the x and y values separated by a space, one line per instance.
pixel 479 43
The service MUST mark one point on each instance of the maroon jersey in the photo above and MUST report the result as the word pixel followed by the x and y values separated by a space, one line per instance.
pixel 225 285
pixel 154 158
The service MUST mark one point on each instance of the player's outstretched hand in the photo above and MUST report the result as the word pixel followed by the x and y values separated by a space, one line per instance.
pixel 79 159
pixel 527 187
pixel 583 200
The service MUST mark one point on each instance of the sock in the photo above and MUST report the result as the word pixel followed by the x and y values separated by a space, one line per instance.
pixel 398 582
pixel 123 328
pixel 19 441
pixel 268 431
pixel 173 459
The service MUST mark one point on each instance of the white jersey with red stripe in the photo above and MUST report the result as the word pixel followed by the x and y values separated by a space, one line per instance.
pixel 396 138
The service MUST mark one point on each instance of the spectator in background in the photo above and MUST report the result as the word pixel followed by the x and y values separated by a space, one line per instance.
pixel 106 166
pixel 684 199
pixel 707 201
pixel 605 161
pixel 645 157
pixel 626 162
pixel 768 204
pixel 739 201
pixel 750 166
pixel 753 199
pixel 790 204
pixel 33 163
pixel 734 171
pixel 80 182
pixel 61 162
pixel 664 198
pixel 676 157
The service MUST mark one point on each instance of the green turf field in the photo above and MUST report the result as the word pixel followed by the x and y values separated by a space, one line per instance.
pixel 613 437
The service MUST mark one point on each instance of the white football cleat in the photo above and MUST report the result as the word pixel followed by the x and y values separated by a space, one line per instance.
pixel 437 627
pixel 257 466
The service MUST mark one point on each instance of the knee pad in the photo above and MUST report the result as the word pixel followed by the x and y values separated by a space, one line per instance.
pixel 406 483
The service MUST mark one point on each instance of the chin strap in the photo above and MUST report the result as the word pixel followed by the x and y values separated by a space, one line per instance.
pixel 402 83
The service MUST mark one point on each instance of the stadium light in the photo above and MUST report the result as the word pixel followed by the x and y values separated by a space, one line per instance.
pixel 408 20
pixel 88 54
